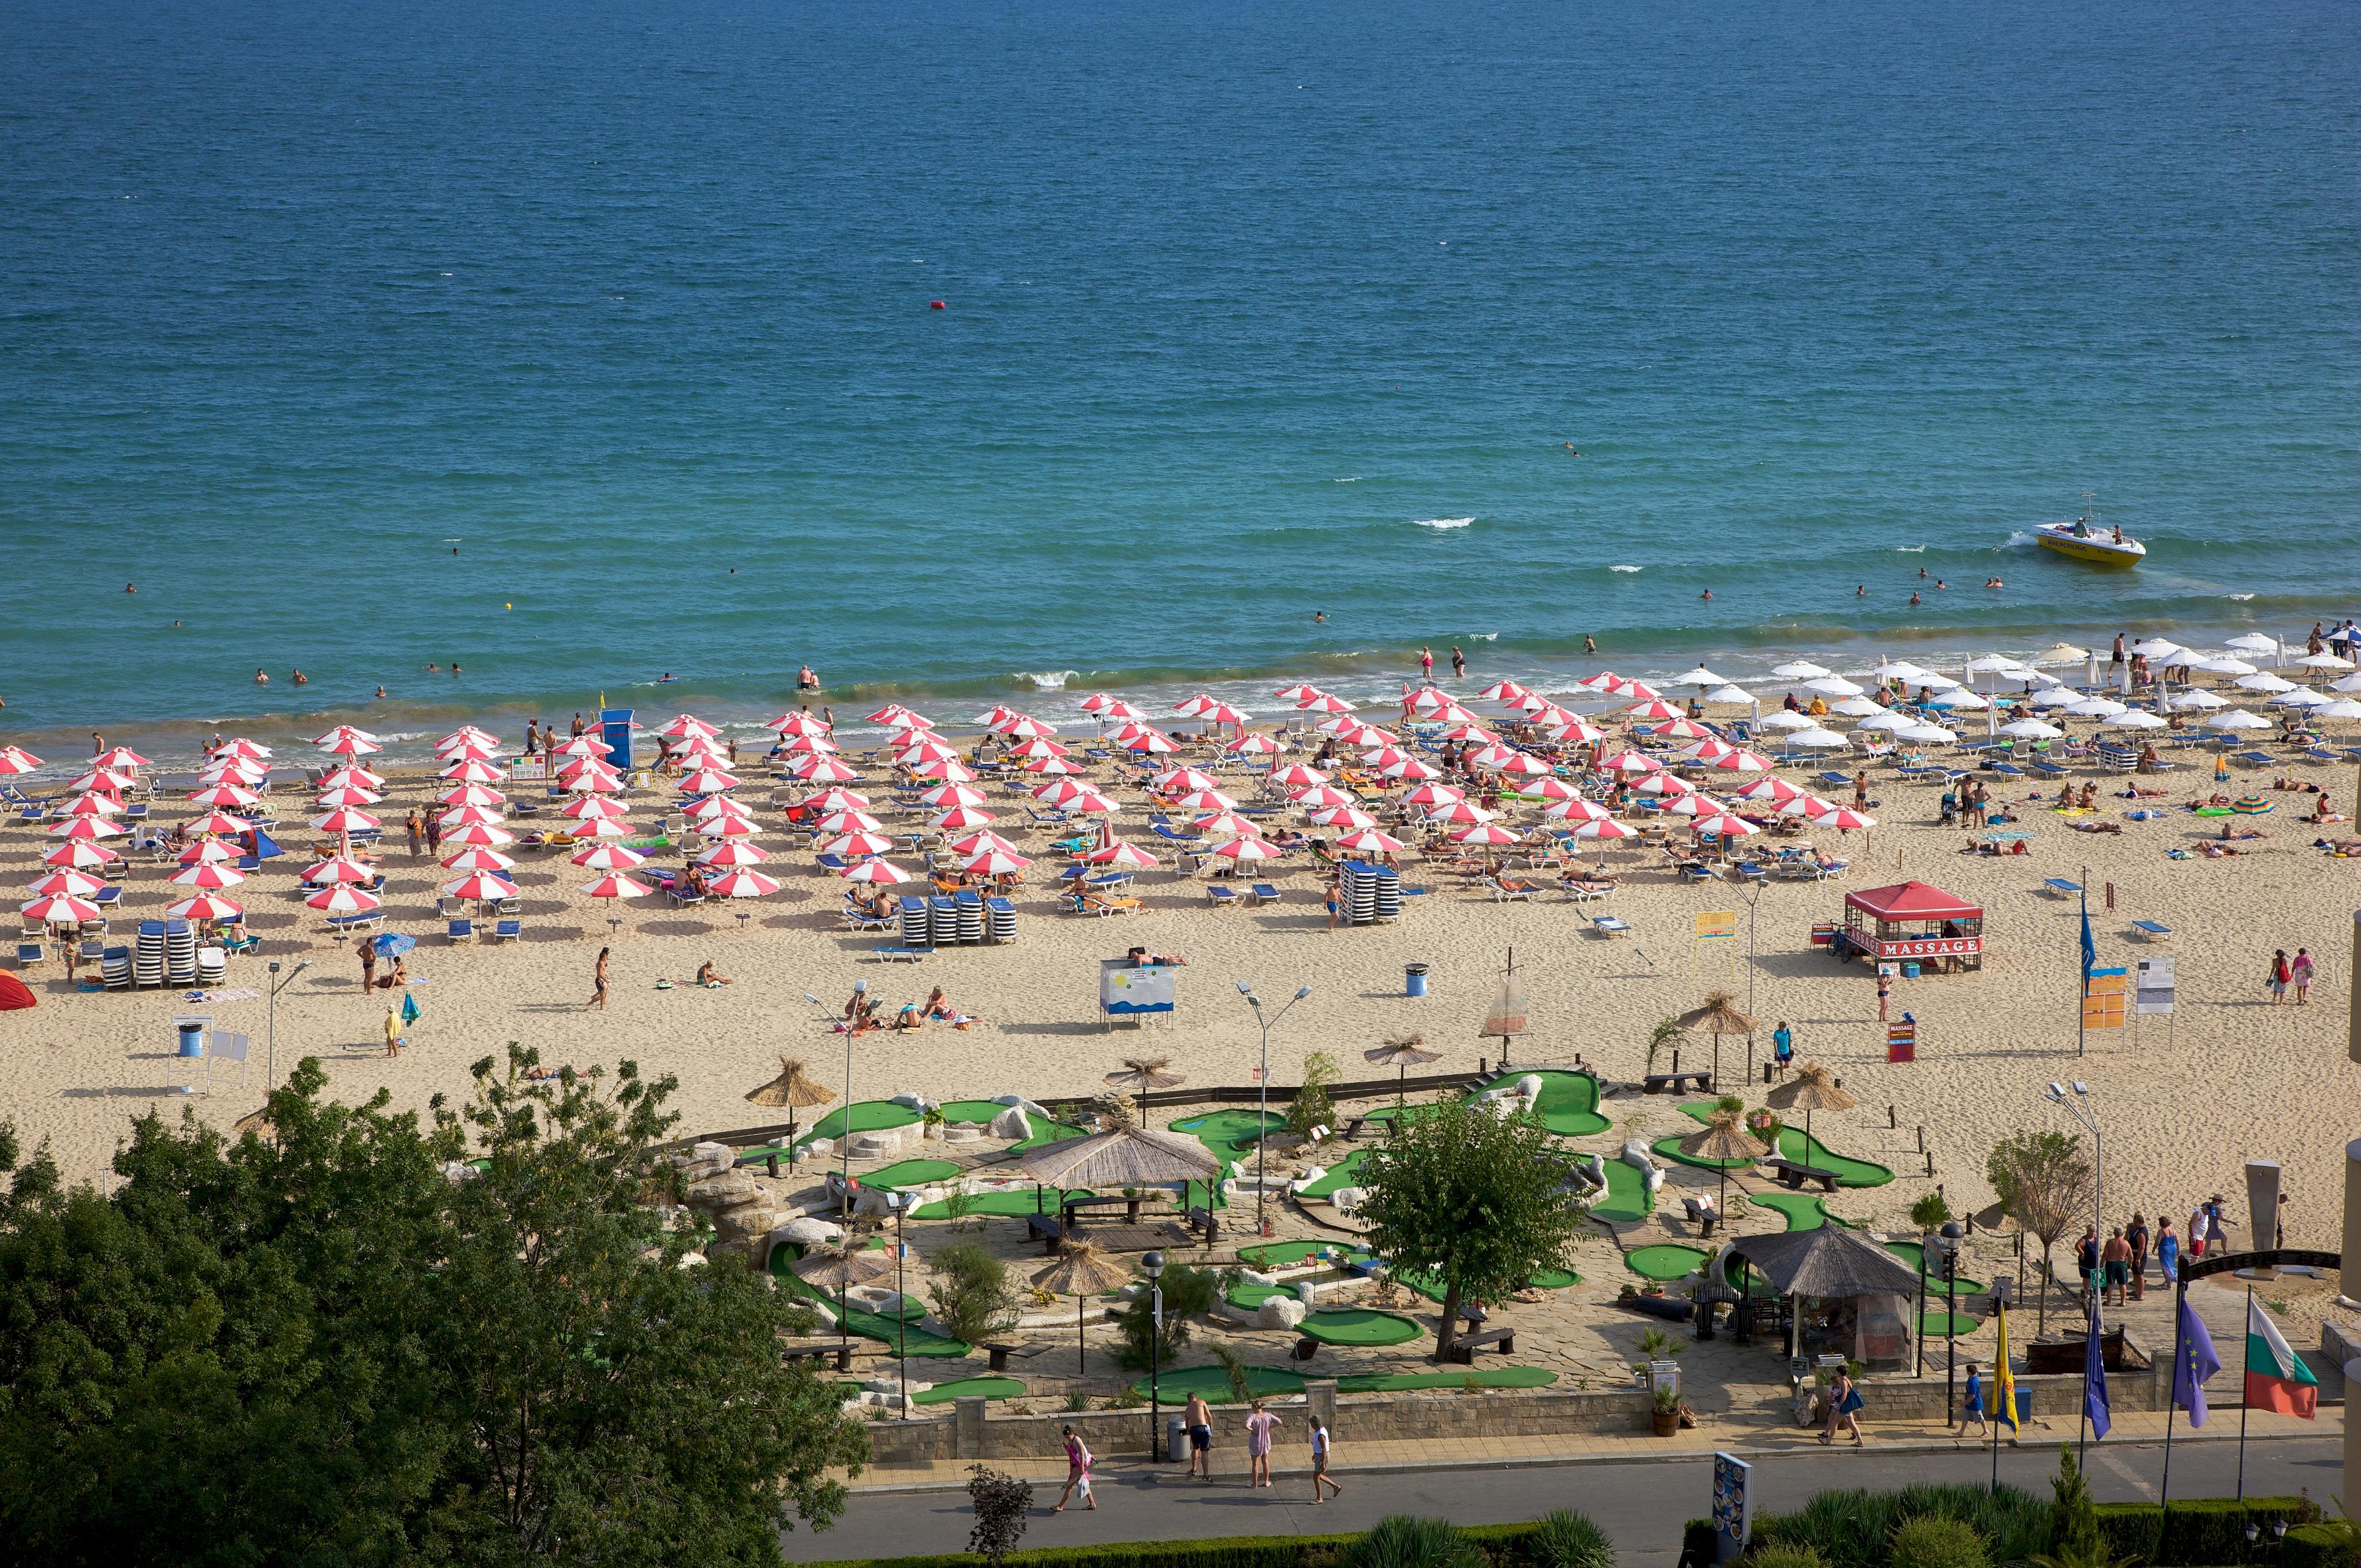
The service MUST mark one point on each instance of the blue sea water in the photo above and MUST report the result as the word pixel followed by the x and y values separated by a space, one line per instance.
pixel 584 343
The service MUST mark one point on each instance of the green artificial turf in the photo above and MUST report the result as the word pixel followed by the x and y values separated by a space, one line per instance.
pixel 1931 1324
pixel 980 1112
pixel 911 1173
pixel 1012 1203
pixel 1802 1213
pixel 1628 1199
pixel 1344 1173
pixel 1359 1325
pixel 1212 1385
pixel 1570 1103
pixel 1553 1279
pixel 969 1388
pixel 1280 1255
pixel 1488 1377
pixel 1253 1296
pixel 1669 1150
pixel 905 1336
pixel 1792 1144
pixel 865 1115
pixel 1963 1285
pixel 1230 1134
pixel 1664 1261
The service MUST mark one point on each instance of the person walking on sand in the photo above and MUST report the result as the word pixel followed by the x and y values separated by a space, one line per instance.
pixel 1974 1408
pixel 1844 1405
pixel 1320 1463
pixel 414 830
pixel 433 834
pixel 1199 1419
pixel 2136 1237
pixel 2300 971
pixel 1079 1460
pixel 598 986
pixel 2279 976
pixel 1782 1048
pixel 1260 1426
pixel 2197 1229
pixel 392 1030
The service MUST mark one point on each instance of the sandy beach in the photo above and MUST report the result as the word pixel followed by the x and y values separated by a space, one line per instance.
pixel 2230 1077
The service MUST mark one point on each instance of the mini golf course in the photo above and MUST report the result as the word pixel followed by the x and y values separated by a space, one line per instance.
pixel 912 1173
pixel 1568 1105
pixel 903 1334
pixel 1012 1202
pixel 1628 1199
pixel 1801 1212
pixel 980 1112
pixel 1212 1385
pixel 1358 1326
pixel 1665 1261
pixel 861 1116
pixel 969 1388
pixel 1669 1150
pixel 1231 1134
pixel 1344 1173
pixel 1803 1151
pixel 1281 1254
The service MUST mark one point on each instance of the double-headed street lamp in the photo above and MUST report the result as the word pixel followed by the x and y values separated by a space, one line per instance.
pixel 2078 1107
pixel 1262 1131
pixel 1153 1266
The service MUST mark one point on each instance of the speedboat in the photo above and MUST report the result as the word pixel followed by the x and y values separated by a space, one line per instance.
pixel 2084 539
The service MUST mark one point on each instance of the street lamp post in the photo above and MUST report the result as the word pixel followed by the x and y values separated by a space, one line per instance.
pixel 844 1134
pixel 900 1203
pixel 1949 1238
pixel 270 1036
pixel 1153 1266
pixel 2077 1107
pixel 1262 1130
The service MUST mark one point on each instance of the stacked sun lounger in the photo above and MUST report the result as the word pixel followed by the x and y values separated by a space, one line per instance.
pixel 1371 894
pixel 942 920
pixel 179 953
pixel 915 923
pixel 969 909
pixel 1000 920
pixel 147 957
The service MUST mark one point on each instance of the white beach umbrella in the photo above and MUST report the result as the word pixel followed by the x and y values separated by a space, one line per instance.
pixel 2303 696
pixel 2224 665
pixel 1857 708
pixel 1800 670
pixel 1886 718
pixel 2322 661
pixel 2031 730
pixel 1817 738
pixel 2342 708
pixel 1728 696
pixel 2236 719
pixel 1898 670
pixel 2253 642
pixel 1961 700
pixel 1930 734
pixel 2132 719
pixel 1699 676
pixel 1786 718
pixel 2264 681
pixel 1835 685
pixel 2097 708
pixel 2193 700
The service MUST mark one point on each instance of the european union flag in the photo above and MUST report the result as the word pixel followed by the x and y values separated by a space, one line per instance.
pixel 2094 1378
pixel 2197 1363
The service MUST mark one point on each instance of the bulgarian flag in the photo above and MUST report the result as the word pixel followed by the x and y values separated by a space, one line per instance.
pixel 2276 1379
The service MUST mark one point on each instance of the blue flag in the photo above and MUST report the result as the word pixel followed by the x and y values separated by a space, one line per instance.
pixel 2197 1363
pixel 2094 1378
pixel 2090 948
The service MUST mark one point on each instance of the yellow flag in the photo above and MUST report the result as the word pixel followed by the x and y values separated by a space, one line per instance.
pixel 2003 1382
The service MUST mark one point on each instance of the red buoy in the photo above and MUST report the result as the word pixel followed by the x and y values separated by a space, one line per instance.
pixel 937 305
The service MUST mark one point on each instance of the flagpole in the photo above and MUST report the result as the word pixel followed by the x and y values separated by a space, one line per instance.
pixel 2172 1391
pixel 2007 1399
pixel 2246 1365
pixel 2090 1352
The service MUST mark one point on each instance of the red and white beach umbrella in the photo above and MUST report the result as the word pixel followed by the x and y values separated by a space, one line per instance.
pixel 945 796
pixel 1843 818
pixel 1475 733
pixel 233 771
pixel 706 781
pixel 1409 768
pixel 1574 732
pixel 1435 793
pixel 1245 850
pixel 94 805
pixel 474 858
pixel 1552 789
pixel 122 758
pixel 461 816
pixel 580 746
pixel 1206 800
pixel 1222 713
pixel 977 842
pixel 851 846
pixel 465 733
pixel 1059 792
pixel 1255 744
pixel 351 743
pixel 1348 817
pixel 742 885
pixel 1384 756
pixel 1040 748
pixel 1629 762
pixel 592 808
pixel 1741 760
pixel 1485 833
pixel 1370 841
pixel 1047 767
pixel 830 770
pixel 1324 702
pixel 684 726
pixel 733 852
pixel 615 884
pixel 838 799
pixel 1503 691
pixel 1319 797
pixel 959 818
pixel 87 828
pixel 1656 709
pixel 344 819
pixel 880 871
pixel 1092 803
pixel 1228 825
pixel 920 748
pixel 206 907
pixel 1770 787
pixel 210 875
pixel 590 775
pixel 1726 825
pixel 1605 827
pixel 608 858
pixel 1461 810
pixel 892 712
pixel 1121 852
pixel 344 898
pixel 484 886
pixel 1682 729
pixel 1302 691
pixel 215 823
pixel 225 794
pixel 725 826
pixel 484 833
pixel 797 723
pixel 994 862
pixel 101 781
pixel 474 771
pixel 1693 803
pixel 240 746
pixel 847 821
pixel 76 853
pixel 1638 691
pixel 462 794
pixel 61 909
pixel 1179 781
pixel 718 808
pixel 1672 787
pixel 206 850
pixel 1118 711
pixel 1428 700
pixel 600 827
pixel 807 745
pixel 1577 810
pixel 1296 776
pixel 1149 743
pixel 1191 707
pixel 73 885
pixel 16 760
pixel 1521 764
pixel 1024 726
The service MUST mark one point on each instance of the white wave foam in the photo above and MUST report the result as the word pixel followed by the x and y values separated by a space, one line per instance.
pixel 1483 637
pixel 1622 568
pixel 2240 598
pixel 1348 480
pixel 2020 539
pixel 1440 522
pixel 1047 680
pixel 1910 550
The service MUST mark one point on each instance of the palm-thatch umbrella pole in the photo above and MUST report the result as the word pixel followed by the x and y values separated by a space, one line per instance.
pixel 840 1267
pixel 1725 1138
pixel 1814 1088
pixel 1402 1055
pixel 1141 1074
pixel 1718 1017
pixel 792 1090
pixel 1081 1270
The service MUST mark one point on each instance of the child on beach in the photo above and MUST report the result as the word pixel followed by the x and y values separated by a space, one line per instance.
pixel 1320 1463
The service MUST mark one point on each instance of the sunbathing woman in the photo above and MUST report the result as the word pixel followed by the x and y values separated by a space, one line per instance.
pixel 2066 797
pixel 2089 796
pixel 709 977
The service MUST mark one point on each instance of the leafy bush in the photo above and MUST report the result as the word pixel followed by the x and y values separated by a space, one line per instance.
pixel 2200 1530
pixel 972 1298
pixel 1187 1293
pixel 1564 1539
pixel 1003 1505
pixel 1932 1541
pixel 1312 1107
pixel 1852 1529
pixel 1791 1555
pixel 1930 1211
pixel 1400 1540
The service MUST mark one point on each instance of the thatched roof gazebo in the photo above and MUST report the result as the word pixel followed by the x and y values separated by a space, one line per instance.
pixel 1835 1263
pixel 1725 1137
pixel 793 1089
pixel 1082 1270
pixel 1125 1156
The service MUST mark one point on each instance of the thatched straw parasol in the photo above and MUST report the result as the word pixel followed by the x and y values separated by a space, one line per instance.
pixel 257 1122
pixel 840 1269
pixel 1141 1074
pixel 1725 1137
pixel 1402 1055
pixel 1814 1088
pixel 1082 1270
pixel 792 1090
pixel 1718 1017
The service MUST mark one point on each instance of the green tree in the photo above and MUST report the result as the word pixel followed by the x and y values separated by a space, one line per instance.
pixel 973 1297
pixel 1480 1201
pixel 1667 1035
pixel 1187 1293
pixel 2043 1183
pixel 1930 1211
pixel 319 1346
pixel 1312 1107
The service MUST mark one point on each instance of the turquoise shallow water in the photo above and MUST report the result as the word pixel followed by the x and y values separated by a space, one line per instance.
pixel 1252 312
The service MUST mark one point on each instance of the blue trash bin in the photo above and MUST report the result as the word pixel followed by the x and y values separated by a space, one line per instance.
pixel 1414 980
pixel 193 1039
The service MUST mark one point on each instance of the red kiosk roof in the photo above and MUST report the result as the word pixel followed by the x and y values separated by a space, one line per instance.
pixel 1912 901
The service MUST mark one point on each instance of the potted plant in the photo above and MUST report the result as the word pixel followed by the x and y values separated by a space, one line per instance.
pixel 1664 1412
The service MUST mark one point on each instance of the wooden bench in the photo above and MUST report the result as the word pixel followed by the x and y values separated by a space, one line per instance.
pixel 1675 1082
pixel 998 1352
pixel 1202 1219
pixel 1464 1346
pixel 1794 1173
pixel 842 1354
pixel 1702 1215
pixel 1045 1226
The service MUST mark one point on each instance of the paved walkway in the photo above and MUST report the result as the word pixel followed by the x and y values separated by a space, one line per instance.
pixel 1746 1439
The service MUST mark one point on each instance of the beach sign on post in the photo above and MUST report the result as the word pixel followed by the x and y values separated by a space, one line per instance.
pixel 2152 993
pixel 1131 991
pixel 615 729
pixel 1713 926
pixel 1902 1039
pixel 2104 999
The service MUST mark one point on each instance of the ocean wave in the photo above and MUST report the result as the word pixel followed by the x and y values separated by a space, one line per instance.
pixel 1622 568
pixel 2240 598
pixel 1047 680
pixel 1483 637
pixel 1440 522
pixel 1910 550
pixel 1348 480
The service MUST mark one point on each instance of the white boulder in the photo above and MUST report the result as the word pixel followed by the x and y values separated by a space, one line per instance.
pixel 1348 1199
pixel 1279 1313
pixel 1021 1103
pixel 1256 1276
pixel 1012 1124
pixel 809 1230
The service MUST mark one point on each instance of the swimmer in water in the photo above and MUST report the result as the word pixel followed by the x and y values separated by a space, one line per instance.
pixel 455 666
pixel 1318 615
pixel 667 678
pixel 380 692
pixel 1589 644
pixel 434 669
pixel 1569 447
pixel 301 679
pixel 1941 584
pixel 1922 571
pixel 131 588
pixel 261 678
pixel 1706 595
pixel 1861 592
pixel 1913 598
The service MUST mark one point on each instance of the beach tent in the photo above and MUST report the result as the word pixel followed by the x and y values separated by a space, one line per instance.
pixel 14 993
pixel 1912 921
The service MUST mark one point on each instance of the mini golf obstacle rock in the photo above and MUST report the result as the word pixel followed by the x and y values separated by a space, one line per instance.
pixel 956 1132
pixel 808 1230
pixel 1019 1103
pixel 1279 1313
pixel 1012 1124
